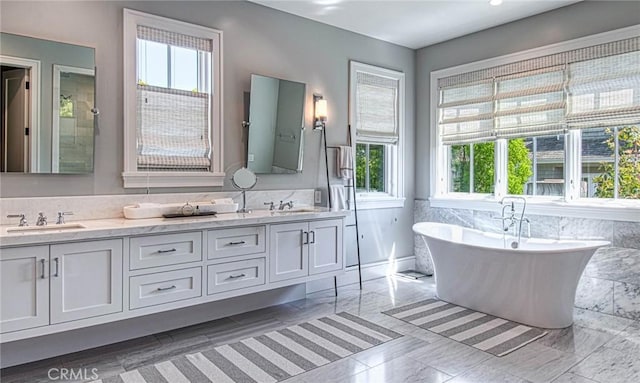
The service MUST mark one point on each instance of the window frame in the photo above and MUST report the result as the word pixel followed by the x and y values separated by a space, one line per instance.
pixel 393 197
pixel 134 178
pixel 570 205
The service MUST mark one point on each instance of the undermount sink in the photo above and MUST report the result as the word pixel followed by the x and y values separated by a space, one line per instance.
pixel 296 210
pixel 54 227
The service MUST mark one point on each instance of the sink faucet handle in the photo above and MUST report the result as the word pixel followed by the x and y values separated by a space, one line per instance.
pixel 42 219
pixel 23 219
pixel 61 215
pixel 271 205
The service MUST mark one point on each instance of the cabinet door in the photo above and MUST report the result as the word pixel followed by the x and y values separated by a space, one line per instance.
pixel 86 279
pixel 325 246
pixel 288 251
pixel 24 288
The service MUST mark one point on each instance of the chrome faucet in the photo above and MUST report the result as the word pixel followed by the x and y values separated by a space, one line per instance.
pixel 288 204
pixel 42 219
pixel 271 205
pixel 23 220
pixel 61 214
pixel 514 221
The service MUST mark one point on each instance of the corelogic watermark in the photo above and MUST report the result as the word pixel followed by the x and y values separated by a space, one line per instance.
pixel 62 374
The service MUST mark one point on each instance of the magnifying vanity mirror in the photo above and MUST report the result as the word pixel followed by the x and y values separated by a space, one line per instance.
pixel 47 106
pixel 276 123
pixel 244 179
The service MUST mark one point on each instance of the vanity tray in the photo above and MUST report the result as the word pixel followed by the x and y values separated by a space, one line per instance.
pixel 179 215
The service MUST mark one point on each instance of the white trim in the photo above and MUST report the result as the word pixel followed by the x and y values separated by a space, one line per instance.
pixel 370 201
pixel 55 115
pixel 394 172
pixel 439 160
pixel 35 88
pixel 215 177
pixel 171 179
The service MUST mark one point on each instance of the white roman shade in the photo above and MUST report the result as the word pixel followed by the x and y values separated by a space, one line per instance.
pixel 173 127
pixel 587 87
pixel 377 108
pixel 605 91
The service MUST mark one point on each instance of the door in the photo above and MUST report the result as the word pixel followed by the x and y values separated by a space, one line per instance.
pixel 15 108
pixel 24 288
pixel 288 251
pixel 325 246
pixel 86 279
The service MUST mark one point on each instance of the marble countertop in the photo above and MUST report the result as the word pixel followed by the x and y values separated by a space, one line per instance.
pixel 121 227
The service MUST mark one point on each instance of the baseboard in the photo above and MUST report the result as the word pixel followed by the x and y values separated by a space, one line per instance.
pixel 48 346
pixel 369 271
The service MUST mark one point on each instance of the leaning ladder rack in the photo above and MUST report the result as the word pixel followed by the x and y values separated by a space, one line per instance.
pixel 351 191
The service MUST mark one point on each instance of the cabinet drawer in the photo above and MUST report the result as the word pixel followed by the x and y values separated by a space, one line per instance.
pixel 235 275
pixel 162 250
pixel 155 289
pixel 236 241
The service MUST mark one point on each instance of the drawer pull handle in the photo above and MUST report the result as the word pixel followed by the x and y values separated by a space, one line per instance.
pixel 166 251
pixel 166 288
pixel 314 237
pixel 42 268
pixel 236 243
pixel 237 276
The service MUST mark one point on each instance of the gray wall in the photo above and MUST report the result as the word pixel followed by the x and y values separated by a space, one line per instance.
pixel 574 21
pixel 256 40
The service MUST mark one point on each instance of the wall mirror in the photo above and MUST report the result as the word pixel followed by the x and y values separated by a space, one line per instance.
pixel 276 123
pixel 48 106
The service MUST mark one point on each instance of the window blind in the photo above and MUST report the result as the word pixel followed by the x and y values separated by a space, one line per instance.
pixel 173 127
pixel 586 87
pixel 377 117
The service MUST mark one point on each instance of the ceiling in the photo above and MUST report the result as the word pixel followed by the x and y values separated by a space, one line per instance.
pixel 414 24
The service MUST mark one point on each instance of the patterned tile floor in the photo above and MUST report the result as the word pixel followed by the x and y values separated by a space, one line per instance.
pixel 597 348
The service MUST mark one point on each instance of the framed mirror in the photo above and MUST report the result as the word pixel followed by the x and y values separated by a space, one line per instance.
pixel 276 123
pixel 47 106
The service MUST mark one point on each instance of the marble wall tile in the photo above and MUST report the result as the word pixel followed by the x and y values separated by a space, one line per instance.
pixel 424 263
pixel 595 294
pixel 487 221
pixel 461 217
pixel 544 226
pixel 626 300
pixel 585 228
pixel 616 264
pixel 110 206
pixel 626 234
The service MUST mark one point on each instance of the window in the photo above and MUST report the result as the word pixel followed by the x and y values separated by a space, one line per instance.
pixel 564 125
pixel 376 106
pixel 172 103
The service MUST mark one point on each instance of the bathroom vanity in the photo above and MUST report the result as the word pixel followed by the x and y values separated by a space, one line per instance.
pixel 114 269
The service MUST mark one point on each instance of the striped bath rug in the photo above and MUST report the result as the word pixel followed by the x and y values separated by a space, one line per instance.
pixel 485 332
pixel 272 357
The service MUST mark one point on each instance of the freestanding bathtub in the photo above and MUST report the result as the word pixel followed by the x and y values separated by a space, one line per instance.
pixel 534 284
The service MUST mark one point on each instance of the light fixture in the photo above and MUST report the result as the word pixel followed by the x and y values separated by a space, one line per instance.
pixel 495 2
pixel 319 111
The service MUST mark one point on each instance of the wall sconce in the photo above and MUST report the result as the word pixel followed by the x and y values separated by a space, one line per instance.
pixel 319 112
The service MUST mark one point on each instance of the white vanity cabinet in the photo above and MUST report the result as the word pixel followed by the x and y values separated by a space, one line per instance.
pixel 24 287
pixel 305 248
pixel 86 279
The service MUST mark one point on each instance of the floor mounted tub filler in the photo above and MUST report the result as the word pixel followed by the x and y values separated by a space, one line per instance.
pixel 534 284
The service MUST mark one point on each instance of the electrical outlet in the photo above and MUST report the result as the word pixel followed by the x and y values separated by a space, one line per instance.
pixel 317 196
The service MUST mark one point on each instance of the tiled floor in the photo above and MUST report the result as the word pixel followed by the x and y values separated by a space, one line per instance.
pixel 597 348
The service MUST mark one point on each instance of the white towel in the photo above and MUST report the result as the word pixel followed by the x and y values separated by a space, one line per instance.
pixel 338 198
pixel 344 162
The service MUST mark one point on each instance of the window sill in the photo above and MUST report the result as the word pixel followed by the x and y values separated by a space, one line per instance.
pixel 379 202
pixel 171 179
pixel 618 210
